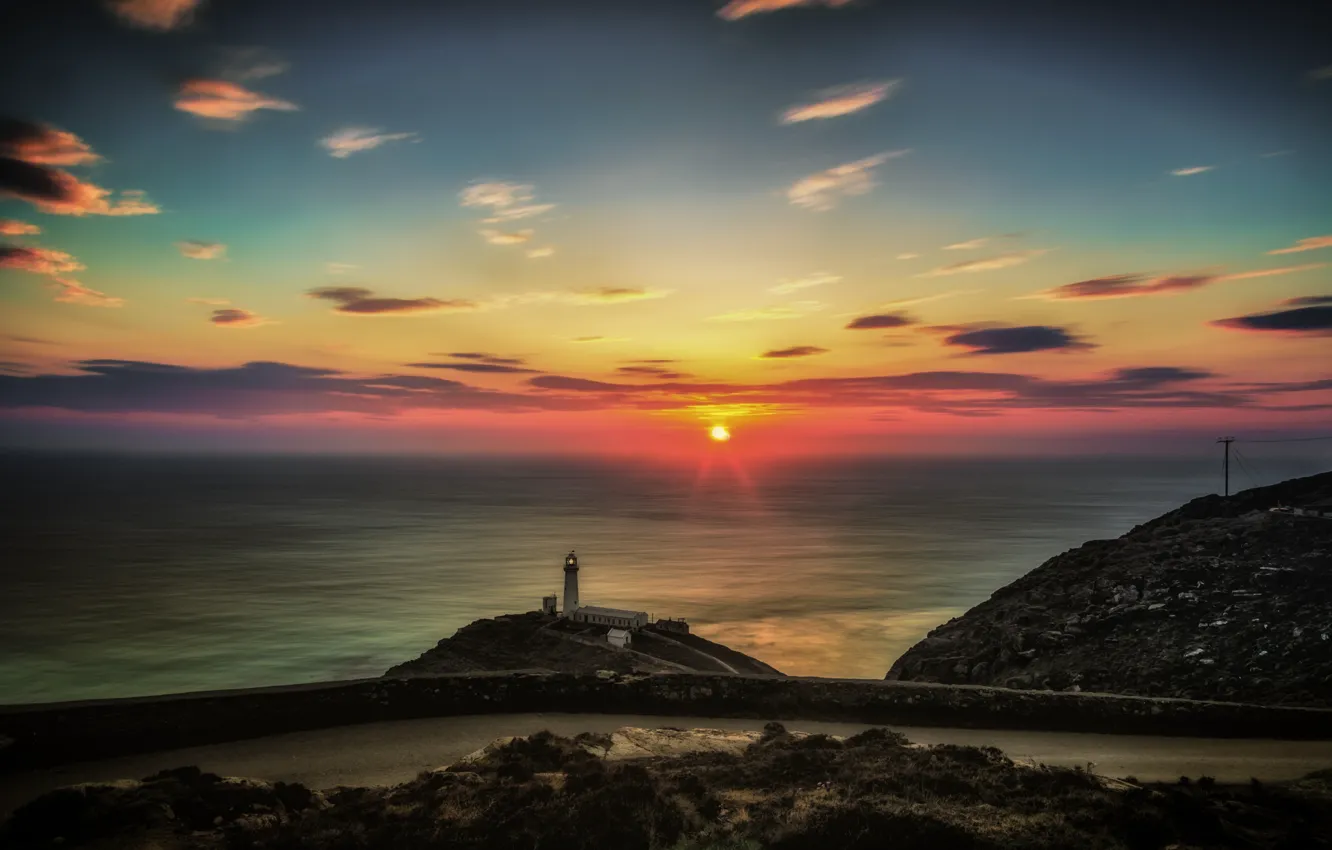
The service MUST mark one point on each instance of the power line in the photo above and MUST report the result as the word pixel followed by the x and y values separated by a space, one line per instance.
pixel 1289 440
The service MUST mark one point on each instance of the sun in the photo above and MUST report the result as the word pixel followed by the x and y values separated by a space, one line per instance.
pixel 720 433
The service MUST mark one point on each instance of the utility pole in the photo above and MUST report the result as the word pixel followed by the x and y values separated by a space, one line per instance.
pixel 1226 462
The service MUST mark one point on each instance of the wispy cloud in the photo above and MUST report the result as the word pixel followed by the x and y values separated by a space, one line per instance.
pixel 1310 244
pixel 224 100
pixel 793 352
pixel 154 14
pixel 969 245
pixel 736 9
pixel 250 63
pixel 999 261
pixel 1279 270
pixel 197 250
pixel 41 144
pixel 53 265
pixel 499 237
pixel 794 310
pixel 358 301
pixel 350 140
pixel 842 100
pixel 13 227
pixel 233 317
pixel 1137 285
pixel 815 279
pixel 821 191
pixel 506 202
pixel 1195 169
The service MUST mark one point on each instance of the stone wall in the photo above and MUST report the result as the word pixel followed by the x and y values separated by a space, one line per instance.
pixel 41 736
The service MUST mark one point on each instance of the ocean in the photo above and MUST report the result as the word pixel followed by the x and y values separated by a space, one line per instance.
pixel 133 575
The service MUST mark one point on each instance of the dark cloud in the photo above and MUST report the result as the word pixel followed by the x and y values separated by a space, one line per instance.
pixel 232 317
pixel 1307 301
pixel 1016 340
pixel 881 321
pixel 1154 375
pixel 477 367
pixel 357 301
pixel 652 371
pixel 1316 320
pixel 794 351
pixel 255 389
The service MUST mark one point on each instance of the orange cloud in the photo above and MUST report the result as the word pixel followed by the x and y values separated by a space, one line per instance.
pixel 1310 244
pixel 13 227
pixel 225 101
pixel 40 144
pixel 736 9
pixel 821 191
pixel 55 191
pixel 154 14
pixel 841 100
pixel 52 265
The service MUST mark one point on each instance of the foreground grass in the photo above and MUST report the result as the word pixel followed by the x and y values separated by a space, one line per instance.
pixel 814 793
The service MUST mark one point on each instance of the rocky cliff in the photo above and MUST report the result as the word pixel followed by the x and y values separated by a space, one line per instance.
pixel 1219 599
pixel 536 641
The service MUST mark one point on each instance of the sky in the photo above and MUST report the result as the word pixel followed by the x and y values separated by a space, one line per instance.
pixel 825 225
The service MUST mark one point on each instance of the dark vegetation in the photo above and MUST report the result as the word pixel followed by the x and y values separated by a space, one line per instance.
pixel 796 793
pixel 535 641
pixel 1219 599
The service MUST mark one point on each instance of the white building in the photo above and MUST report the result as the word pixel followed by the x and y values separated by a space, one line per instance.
pixel 619 617
pixel 619 638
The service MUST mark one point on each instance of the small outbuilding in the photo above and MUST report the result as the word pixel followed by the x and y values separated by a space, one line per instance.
pixel 619 638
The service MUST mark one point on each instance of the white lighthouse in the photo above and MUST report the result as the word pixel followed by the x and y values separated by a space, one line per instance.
pixel 570 584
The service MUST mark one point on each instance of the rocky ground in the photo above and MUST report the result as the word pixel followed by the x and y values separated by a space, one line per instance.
pixel 536 641
pixel 641 789
pixel 1219 599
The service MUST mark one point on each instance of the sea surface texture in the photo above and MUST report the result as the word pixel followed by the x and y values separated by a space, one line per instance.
pixel 140 575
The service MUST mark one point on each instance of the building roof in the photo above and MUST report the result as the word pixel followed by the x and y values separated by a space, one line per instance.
pixel 617 633
pixel 598 611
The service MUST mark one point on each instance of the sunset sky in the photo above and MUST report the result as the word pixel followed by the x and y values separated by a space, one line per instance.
pixel 611 225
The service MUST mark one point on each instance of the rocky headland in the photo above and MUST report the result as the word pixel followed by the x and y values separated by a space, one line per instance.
pixel 653 789
pixel 537 641
pixel 1221 599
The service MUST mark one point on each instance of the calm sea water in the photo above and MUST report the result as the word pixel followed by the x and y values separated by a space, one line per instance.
pixel 139 575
